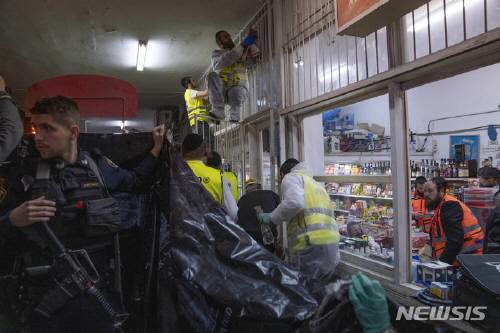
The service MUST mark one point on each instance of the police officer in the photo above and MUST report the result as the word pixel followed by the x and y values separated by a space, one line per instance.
pixel 80 209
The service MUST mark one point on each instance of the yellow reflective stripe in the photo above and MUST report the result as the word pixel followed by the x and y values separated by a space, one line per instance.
pixel 317 237
pixel 201 107
pixel 297 232
pixel 318 210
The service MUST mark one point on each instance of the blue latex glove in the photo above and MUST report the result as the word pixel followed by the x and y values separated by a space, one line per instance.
pixel 264 218
pixel 249 40
pixel 370 305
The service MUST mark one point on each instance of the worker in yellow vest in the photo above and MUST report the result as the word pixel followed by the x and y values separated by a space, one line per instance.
pixel 196 107
pixel 312 232
pixel 228 80
pixel 215 161
pixel 194 152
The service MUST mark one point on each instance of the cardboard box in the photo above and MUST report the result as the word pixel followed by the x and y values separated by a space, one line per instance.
pixel 441 290
pixel 435 271
pixel 377 129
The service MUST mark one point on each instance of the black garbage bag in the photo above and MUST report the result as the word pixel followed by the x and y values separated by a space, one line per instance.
pixel 218 267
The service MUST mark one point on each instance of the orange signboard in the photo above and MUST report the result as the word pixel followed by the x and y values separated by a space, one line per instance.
pixel 362 17
pixel 350 10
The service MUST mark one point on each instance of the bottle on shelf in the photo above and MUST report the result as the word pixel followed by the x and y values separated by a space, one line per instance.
pixel 455 169
pixel 437 171
pixel 418 171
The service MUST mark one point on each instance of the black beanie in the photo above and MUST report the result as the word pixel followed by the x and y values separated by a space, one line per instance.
pixel 192 142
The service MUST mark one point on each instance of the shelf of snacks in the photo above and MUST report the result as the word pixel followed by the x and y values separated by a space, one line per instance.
pixel 381 179
pixel 376 191
pixel 364 214
pixel 365 169
pixel 361 196
pixel 458 180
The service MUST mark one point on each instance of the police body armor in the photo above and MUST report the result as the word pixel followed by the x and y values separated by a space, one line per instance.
pixel 87 218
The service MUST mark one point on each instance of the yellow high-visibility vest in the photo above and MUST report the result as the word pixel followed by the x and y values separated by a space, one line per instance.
pixel 233 181
pixel 315 225
pixel 210 178
pixel 195 106
pixel 233 74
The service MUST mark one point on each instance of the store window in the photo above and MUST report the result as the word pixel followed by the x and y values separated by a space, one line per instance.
pixel 352 157
pixel 317 60
pixel 443 23
pixel 453 125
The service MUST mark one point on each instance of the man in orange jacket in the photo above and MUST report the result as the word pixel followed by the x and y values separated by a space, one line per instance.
pixel 454 230
pixel 422 216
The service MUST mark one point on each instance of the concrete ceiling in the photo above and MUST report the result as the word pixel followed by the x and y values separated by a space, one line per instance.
pixel 40 39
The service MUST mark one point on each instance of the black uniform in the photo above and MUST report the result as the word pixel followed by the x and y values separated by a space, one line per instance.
pixel 492 235
pixel 87 218
pixel 11 127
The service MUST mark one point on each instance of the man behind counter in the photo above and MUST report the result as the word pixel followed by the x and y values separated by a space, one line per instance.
pixel 419 210
pixel 454 230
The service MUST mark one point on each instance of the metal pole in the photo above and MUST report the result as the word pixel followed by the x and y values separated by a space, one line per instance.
pixel 485 15
pixel 376 51
pixel 429 28
pixel 465 24
pixel 414 36
pixel 400 183
pixel 445 25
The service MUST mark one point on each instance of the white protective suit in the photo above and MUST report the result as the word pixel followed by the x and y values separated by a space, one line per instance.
pixel 228 202
pixel 318 262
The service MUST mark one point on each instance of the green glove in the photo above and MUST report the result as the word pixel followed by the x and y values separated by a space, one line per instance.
pixel 369 302
pixel 264 218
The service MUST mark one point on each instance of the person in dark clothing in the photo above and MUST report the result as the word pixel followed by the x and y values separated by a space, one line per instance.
pixel 492 235
pixel 80 193
pixel 454 229
pixel 11 127
pixel 490 177
pixel 254 197
pixel 419 212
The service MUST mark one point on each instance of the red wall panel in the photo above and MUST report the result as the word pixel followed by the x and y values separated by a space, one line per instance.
pixel 96 95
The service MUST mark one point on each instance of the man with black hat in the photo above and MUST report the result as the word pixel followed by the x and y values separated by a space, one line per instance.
pixel 194 152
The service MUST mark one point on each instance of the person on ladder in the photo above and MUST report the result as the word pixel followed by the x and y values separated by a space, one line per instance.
pixel 196 106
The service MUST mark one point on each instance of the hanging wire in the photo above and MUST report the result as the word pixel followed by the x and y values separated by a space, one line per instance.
pixel 429 133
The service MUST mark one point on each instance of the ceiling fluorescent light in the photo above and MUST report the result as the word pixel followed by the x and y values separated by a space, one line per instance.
pixel 141 55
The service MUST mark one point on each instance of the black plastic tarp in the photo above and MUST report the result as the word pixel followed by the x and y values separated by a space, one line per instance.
pixel 215 264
